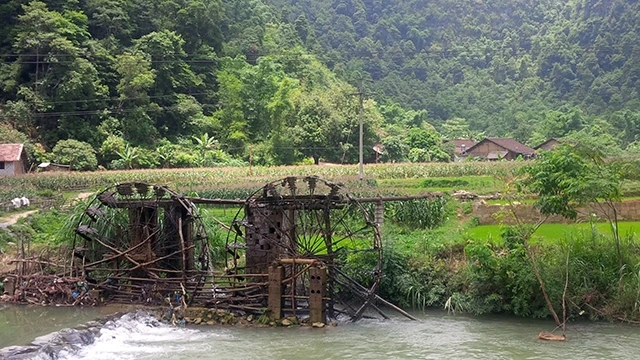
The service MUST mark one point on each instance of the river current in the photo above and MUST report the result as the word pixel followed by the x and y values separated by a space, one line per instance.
pixel 437 335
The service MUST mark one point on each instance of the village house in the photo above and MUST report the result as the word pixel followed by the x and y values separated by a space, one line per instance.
pixel 12 159
pixel 549 144
pixel 461 146
pixel 493 149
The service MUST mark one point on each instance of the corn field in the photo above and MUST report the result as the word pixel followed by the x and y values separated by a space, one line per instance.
pixel 231 180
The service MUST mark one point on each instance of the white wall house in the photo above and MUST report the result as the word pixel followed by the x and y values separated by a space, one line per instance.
pixel 12 159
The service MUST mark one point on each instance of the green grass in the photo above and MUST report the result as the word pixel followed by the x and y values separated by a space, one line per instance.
pixel 475 184
pixel 553 232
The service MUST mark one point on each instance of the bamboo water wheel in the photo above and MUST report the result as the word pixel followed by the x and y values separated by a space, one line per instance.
pixel 136 231
pixel 302 221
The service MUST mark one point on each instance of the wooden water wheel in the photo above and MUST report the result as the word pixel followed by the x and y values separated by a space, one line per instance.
pixel 136 231
pixel 299 222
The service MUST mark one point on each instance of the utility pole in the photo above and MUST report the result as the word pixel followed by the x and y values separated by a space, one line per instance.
pixel 361 93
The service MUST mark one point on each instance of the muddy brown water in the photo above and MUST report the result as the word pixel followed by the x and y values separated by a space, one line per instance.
pixel 437 335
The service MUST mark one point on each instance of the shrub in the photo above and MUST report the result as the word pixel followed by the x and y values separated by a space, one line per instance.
pixel 420 213
pixel 444 183
pixel 109 149
pixel 78 154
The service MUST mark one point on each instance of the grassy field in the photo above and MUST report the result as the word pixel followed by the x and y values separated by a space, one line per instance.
pixel 554 232
pixel 479 184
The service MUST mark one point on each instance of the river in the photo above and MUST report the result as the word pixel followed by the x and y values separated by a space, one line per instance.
pixel 437 335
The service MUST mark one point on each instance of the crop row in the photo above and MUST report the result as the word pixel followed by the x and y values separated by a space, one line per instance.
pixel 207 178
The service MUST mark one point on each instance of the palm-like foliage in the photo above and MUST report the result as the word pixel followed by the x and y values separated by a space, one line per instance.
pixel 128 155
pixel 204 143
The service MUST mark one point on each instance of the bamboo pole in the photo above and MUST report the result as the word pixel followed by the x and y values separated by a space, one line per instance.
pixel 182 249
pixel 125 252
pixel 377 297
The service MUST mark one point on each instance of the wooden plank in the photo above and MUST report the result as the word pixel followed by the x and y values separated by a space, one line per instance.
pixel 299 261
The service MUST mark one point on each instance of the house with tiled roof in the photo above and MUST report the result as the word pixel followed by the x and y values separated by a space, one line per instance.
pixel 461 145
pixel 500 148
pixel 549 144
pixel 12 159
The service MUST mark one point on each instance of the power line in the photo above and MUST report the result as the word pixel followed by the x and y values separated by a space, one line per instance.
pixel 185 57
pixel 161 54
pixel 99 111
pixel 110 62
pixel 120 99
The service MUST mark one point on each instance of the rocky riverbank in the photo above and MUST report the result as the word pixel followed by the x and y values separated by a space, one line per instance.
pixel 204 316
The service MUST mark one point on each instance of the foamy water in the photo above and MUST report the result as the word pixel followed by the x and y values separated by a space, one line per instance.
pixel 138 336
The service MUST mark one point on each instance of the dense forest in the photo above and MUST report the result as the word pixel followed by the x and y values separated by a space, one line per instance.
pixel 180 83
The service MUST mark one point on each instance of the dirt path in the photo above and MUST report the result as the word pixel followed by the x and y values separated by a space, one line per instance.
pixel 81 197
pixel 12 219
pixel 84 196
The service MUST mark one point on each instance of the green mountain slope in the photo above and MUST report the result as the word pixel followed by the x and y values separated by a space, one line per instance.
pixel 206 82
pixel 501 65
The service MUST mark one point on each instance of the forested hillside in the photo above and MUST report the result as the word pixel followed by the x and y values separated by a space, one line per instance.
pixel 516 67
pixel 180 83
pixel 173 83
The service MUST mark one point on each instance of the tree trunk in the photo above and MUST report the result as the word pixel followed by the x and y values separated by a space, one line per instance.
pixel 543 287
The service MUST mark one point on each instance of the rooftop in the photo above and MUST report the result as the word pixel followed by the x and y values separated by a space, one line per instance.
pixel 11 152
pixel 510 144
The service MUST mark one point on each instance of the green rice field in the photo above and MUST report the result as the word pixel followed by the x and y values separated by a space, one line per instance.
pixel 555 232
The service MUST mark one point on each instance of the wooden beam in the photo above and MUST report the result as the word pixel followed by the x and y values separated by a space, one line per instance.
pixel 299 261
pixel 128 203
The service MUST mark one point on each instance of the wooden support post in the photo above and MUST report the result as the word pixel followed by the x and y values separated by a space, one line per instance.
pixel 317 283
pixel 172 243
pixel 10 286
pixel 276 274
pixel 187 233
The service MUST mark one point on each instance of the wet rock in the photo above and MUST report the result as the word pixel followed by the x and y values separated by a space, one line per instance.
pixel 551 337
pixel 19 352
pixel 318 324
pixel 250 318
pixel 464 195
pixel 286 322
